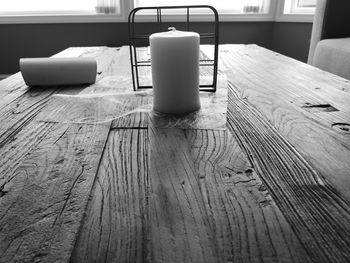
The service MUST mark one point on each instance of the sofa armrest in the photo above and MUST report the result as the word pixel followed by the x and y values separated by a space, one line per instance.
pixel 331 20
pixel 317 28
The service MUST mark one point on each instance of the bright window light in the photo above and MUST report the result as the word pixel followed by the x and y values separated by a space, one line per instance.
pixel 58 6
pixel 223 6
pixel 306 3
pixel 299 6
pixel 45 5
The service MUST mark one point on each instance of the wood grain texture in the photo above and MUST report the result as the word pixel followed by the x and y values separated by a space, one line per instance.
pixel 16 139
pixel 181 196
pixel 316 211
pixel 21 111
pixel 116 223
pixel 46 186
pixel 244 219
pixel 208 205
pixel 87 174
pixel 20 104
pixel 272 84
pixel 11 88
pixel 179 224
pixel 45 202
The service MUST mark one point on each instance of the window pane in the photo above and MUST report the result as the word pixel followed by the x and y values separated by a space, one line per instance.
pixel 46 5
pixel 59 6
pixel 299 6
pixel 223 6
pixel 306 3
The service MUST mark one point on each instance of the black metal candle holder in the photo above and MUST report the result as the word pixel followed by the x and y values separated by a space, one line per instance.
pixel 137 39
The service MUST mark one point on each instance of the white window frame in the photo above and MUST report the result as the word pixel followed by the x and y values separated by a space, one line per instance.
pixel 275 14
pixel 223 16
pixel 67 17
pixel 303 15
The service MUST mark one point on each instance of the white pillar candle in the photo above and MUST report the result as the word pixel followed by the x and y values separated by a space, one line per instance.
pixel 175 71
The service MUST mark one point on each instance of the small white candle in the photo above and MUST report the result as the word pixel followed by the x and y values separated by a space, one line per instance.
pixel 175 71
pixel 58 71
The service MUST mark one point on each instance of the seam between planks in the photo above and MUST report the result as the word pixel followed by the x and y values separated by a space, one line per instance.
pixel 316 214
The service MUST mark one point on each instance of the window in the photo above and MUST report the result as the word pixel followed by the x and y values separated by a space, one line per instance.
pixel 33 7
pixel 223 6
pixel 295 10
pixel 299 6
pixel 306 3
pixel 70 11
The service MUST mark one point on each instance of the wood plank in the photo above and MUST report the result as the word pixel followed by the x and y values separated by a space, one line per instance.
pixel 108 59
pixel 129 110
pixel 20 103
pixel 245 221
pixel 18 107
pixel 17 140
pixel 17 147
pixel 45 201
pixel 44 198
pixel 304 86
pixel 18 134
pixel 208 205
pixel 324 146
pixel 299 73
pixel 11 88
pixel 179 230
pixel 227 198
pixel 21 111
pixel 116 223
pixel 47 171
pixel 76 52
pixel 316 211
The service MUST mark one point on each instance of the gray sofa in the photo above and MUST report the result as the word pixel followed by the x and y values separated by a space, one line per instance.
pixel 330 38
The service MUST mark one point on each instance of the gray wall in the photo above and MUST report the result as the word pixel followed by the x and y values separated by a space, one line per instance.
pixel 41 40
pixel 292 39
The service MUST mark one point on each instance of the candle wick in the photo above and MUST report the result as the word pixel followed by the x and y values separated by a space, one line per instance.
pixel 172 29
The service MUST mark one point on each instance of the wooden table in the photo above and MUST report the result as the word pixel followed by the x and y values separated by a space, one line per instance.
pixel 89 174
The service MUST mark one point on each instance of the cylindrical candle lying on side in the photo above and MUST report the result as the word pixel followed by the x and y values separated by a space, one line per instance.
pixel 175 71
pixel 58 71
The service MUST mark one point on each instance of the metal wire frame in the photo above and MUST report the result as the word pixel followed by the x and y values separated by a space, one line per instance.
pixel 133 38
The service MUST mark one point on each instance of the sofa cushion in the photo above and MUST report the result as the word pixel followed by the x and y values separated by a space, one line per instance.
pixel 333 55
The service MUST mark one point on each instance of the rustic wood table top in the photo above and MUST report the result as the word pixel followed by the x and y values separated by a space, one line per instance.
pixel 260 174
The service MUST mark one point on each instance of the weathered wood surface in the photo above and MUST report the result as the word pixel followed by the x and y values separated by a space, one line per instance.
pixel 275 116
pixel 208 205
pixel 292 101
pixel 89 174
pixel 19 105
pixel 49 159
pixel 300 192
pixel 196 206
pixel 43 200
pixel 116 224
